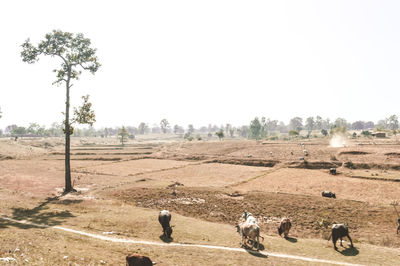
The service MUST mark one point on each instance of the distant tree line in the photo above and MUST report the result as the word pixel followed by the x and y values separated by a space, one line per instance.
pixel 258 128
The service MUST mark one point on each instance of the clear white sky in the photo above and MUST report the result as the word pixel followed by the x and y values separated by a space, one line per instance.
pixel 206 62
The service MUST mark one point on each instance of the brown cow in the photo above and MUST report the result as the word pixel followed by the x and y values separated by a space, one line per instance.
pixel 138 260
pixel 284 227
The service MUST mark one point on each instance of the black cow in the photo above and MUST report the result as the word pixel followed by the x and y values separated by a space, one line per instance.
pixel 138 260
pixel 164 218
pixel 328 194
pixel 398 225
pixel 339 231
pixel 332 171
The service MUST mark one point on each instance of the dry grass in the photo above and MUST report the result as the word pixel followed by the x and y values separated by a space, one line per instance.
pixel 125 197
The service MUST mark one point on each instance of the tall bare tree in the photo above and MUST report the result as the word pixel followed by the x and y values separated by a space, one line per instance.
pixel 75 54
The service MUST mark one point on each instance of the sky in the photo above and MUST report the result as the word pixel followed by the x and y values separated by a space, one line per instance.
pixel 207 62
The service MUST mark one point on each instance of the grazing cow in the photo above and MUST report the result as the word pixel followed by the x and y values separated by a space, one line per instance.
pixel 284 227
pixel 249 230
pixel 138 260
pixel 398 225
pixel 328 194
pixel 164 218
pixel 332 171
pixel 339 231
pixel 247 216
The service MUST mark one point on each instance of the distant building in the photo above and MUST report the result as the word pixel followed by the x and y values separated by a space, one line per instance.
pixel 379 134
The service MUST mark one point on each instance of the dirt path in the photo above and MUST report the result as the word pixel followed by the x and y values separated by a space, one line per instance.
pixel 144 242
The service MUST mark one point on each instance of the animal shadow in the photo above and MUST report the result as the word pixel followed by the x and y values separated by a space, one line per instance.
pixel 166 239
pixel 291 239
pixel 256 253
pixel 249 245
pixel 349 251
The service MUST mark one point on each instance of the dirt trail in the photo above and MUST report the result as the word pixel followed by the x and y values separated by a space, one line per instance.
pixel 144 242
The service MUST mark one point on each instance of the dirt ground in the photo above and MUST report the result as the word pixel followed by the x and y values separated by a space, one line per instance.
pixel 208 181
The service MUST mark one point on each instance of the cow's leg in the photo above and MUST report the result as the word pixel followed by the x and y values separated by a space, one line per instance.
pixel 341 239
pixel 334 239
pixel 258 242
pixel 351 242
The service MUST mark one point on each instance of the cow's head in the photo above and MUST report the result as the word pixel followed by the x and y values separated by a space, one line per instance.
pixel 333 195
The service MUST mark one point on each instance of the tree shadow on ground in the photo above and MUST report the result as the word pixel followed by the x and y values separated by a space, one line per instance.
pixel 166 239
pixel 38 215
pixel 349 251
pixel 291 239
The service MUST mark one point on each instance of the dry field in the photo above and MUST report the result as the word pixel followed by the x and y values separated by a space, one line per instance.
pixel 206 185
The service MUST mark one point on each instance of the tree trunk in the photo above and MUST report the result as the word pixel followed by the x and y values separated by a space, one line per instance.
pixel 68 184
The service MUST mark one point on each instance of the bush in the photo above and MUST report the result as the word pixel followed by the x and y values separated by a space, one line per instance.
pixel 293 133
pixel 324 132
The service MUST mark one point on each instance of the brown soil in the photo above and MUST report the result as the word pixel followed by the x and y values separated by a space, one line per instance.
pixel 311 216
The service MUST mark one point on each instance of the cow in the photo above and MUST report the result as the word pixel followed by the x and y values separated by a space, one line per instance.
pixel 339 231
pixel 398 225
pixel 305 152
pixel 332 171
pixel 328 194
pixel 164 218
pixel 284 227
pixel 249 229
pixel 138 260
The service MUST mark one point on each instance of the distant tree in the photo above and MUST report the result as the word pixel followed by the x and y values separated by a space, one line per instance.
pixel 155 129
pixel 243 131
pixel 340 122
pixel 296 124
pixel 55 130
pixel 18 131
pixel 338 130
pixel 383 124
pixel 220 134
pixel 318 122
pixel 369 125
pixel 324 132
pixel 393 123
pixel 255 128
pixel 190 128
pixel 9 129
pixel 282 127
pixel 310 123
pixel 232 132
pixel 123 135
pixel 1 113
pixel 293 133
pixel 358 125
pixel 264 131
pixel 178 129
pixel 33 129
pixel 76 55
pixel 164 124
pixel 227 128
pixel 142 128
pixel 272 125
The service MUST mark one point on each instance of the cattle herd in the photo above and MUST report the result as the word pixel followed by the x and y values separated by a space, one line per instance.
pixel 249 229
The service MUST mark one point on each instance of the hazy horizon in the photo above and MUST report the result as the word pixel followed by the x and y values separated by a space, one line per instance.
pixel 208 62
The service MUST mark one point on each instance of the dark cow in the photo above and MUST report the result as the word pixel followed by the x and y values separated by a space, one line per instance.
pixel 332 171
pixel 328 194
pixel 339 231
pixel 138 260
pixel 164 218
pixel 284 227
pixel 398 225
